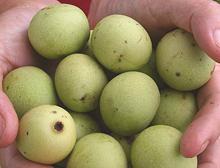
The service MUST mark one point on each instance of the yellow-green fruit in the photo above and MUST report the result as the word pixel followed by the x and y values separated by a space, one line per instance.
pixel 47 134
pixel 79 81
pixel 58 30
pixel 158 147
pixel 28 87
pixel 129 102
pixel 85 124
pixel 181 63
pixel 97 150
pixel 151 70
pixel 176 109
pixel 120 43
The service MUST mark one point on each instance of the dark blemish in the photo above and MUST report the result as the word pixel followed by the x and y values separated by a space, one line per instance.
pixel 94 37
pixel 167 70
pixel 27 133
pixel 121 55
pixel 200 59
pixel 126 41
pixel 137 24
pixel 181 53
pixel 24 152
pixel 114 51
pixel 119 60
pixel 83 98
pixel 7 87
pixel 193 44
pixel 165 95
pixel 116 109
pixel 58 126
pixel 211 102
pixel 54 112
pixel 177 74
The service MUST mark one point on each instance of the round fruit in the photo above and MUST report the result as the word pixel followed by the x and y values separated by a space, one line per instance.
pixel 79 81
pixel 28 87
pixel 58 30
pixel 120 43
pixel 46 134
pixel 181 63
pixel 158 147
pixel 176 109
pixel 97 150
pixel 129 102
pixel 85 124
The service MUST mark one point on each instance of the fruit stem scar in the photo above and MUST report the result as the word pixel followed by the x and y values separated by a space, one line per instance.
pixel 58 126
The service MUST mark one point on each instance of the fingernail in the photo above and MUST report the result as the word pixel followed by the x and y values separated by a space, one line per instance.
pixel 203 147
pixel 217 37
pixel 2 126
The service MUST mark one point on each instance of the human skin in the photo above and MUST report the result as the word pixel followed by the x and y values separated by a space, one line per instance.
pixel 202 19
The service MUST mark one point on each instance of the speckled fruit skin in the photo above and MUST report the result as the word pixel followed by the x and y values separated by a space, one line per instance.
pixel 47 134
pixel 79 81
pixel 85 124
pixel 181 63
pixel 120 43
pixel 151 70
pixel 58 30
pixel 176 109
pixel 158 147
pixel 28 87
pixel 129 102
pixel 97 150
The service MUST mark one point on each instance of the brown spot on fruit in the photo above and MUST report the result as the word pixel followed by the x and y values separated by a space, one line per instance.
pixel 126 41
pixel 54 112
pixel 27 133
pixel 58 126
pixel 178 74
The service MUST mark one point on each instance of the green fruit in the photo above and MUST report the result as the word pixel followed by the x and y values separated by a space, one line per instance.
pixel 87 49
pixel 47 134
pixel 158 147
pixel 176 109
pixel 85 124
pixel 79 81
pixel 58 30
pixel 97 150
pixel 120 43
pixel 151 70
pixel 181 63
pixel 129 102
pixel 28 87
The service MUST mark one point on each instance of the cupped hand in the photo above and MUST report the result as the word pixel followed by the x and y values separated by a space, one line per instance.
pixel 15 51
pixel 202 19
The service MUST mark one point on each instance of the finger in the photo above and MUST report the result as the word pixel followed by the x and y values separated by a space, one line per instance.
pixel 10 157
pixel 210 158
pixel 204 130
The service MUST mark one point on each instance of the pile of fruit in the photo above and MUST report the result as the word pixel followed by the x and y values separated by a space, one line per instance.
pixel 114 102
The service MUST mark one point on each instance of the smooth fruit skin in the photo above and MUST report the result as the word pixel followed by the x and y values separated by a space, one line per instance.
pixel 97 150
pixel 85 124
pixel 129 102
pixel 177 109
pixel 120 43
pixel 47 134
pixel 181 63
pixel 58 30
pixel 158 147
pixel 79 80
pixel 28 87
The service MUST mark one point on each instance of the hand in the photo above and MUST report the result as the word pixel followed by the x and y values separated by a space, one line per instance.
pixel 202 19
pixel 15 51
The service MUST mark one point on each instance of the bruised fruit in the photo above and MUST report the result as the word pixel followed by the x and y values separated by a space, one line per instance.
pixel 41 132
pixel 181 63
pixel 159 147
pixel 97 150
pixel 176 109
pixel 79 81
pixel 120 43
pixel 58 30
pixel 28 87
pixel 129 102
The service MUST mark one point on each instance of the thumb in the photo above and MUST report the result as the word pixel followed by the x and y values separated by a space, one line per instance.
pixel 200 18
pixel 8 120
